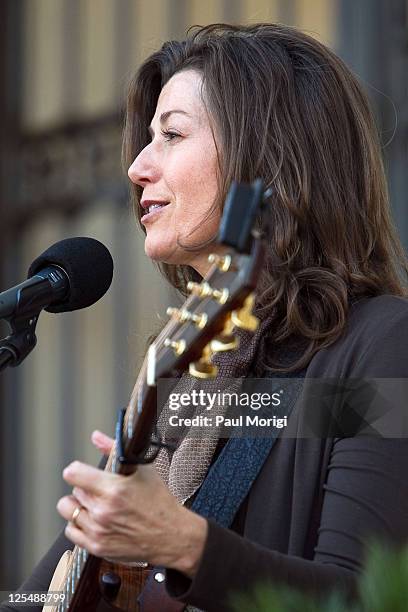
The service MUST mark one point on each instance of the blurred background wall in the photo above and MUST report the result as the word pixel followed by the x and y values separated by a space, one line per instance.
pixel 63 69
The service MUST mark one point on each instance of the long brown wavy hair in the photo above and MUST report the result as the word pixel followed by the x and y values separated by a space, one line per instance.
pixel 288 110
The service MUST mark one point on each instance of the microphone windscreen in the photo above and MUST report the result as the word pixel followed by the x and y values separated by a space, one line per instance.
pixel 89 267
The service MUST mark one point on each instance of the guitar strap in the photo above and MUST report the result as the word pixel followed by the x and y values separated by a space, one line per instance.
pixel 226 485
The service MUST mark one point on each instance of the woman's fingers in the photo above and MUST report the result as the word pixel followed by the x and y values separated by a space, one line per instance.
pixel 69 507
pixel 102 442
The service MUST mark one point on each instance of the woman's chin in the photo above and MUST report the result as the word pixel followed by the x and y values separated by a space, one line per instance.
pixel 160 252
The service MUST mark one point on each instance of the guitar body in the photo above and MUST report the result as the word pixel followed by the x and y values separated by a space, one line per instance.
pixel 97 591
pixel 132 583
pixel 58 580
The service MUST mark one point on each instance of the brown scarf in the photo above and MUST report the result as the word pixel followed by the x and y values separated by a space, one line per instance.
pixel 185 469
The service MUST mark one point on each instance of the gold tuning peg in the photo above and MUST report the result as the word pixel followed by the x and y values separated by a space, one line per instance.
pixel 183 315
pixel 204 368
pixel 178 346
pixel 223 263
pixel 224 342
pixel 243 318
pixel 175 313
pixel 204 290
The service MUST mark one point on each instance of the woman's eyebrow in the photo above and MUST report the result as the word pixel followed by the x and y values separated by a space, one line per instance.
pixel 164 116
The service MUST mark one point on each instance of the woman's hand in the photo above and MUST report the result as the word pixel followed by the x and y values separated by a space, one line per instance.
pixel 130 518
pixel 102 442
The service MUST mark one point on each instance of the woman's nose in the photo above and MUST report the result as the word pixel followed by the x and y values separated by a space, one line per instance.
pixel 143 170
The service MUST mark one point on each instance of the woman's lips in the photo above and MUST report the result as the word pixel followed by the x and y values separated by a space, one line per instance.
pixel 153 213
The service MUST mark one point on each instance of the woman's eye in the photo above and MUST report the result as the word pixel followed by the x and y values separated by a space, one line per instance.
pixel 168 135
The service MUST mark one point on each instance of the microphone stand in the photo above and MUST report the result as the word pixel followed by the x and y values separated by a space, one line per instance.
pixel 15 347
pixel 21 312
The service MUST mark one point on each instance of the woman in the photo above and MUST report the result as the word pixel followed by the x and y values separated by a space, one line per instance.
pixel 239 103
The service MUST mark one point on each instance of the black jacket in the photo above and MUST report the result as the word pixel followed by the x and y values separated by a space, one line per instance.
pixel 316 500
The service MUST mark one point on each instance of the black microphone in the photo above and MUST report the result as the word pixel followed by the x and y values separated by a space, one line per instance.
pixel 71 274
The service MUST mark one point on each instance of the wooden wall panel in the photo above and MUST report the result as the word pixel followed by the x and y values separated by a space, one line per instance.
pixel 200 13
pixel 98 41
pixel 42 59
pixel 318 18
pixel 254 11
pixel 151 27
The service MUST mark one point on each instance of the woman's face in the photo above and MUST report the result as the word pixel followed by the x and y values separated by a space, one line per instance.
pixel 178 170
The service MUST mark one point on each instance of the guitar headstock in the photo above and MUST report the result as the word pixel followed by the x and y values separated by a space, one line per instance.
pixel 204 324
